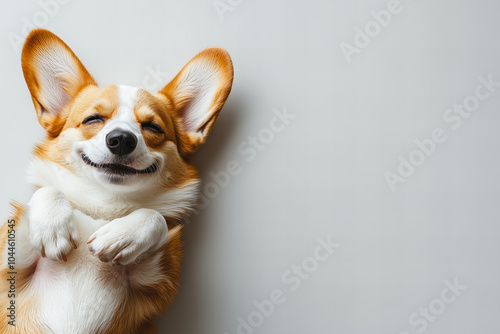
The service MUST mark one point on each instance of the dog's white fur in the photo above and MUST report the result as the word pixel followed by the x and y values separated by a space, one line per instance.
pixel 172 203
pixel 68 295
pixel 94 235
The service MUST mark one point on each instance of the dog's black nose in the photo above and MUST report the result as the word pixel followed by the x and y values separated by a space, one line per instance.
pixel 121 142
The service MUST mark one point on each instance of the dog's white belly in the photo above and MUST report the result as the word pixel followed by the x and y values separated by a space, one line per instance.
pixel 81 295
pixel 72 303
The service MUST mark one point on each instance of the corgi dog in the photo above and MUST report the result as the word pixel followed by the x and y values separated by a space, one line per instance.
pixel 97 249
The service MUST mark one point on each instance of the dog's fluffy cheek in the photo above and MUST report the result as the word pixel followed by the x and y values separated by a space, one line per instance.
pixel 68 137
pixel 67 143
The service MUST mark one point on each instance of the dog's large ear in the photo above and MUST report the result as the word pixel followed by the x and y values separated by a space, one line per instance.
pixel 54 76
pixel 198 93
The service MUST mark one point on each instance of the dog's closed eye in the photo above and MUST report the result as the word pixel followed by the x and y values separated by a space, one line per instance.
pixel 94 119
pixel 152 126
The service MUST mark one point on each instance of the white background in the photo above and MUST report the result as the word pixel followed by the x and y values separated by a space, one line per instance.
pixel 323 175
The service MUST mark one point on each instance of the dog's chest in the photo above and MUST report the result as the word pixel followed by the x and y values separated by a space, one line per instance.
pixel 80 296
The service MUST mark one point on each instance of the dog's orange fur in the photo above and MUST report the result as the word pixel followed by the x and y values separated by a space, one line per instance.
pixel 142 303
pixel 27 309
pixel 128 319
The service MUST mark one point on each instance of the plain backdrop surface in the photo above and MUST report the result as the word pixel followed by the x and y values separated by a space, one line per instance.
pixel 322 172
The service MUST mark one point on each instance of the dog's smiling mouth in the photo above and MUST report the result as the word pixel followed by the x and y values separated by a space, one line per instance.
pixel 118 169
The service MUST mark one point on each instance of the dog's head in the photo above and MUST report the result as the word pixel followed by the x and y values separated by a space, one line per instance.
pixel 121 137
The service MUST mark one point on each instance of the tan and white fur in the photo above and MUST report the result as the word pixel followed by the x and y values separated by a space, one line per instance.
pixel 98 246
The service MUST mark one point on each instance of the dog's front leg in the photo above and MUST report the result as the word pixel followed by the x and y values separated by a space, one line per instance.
pixel 52 229
pixel 125 239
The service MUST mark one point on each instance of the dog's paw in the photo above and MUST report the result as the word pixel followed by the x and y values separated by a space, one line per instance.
pixel 123 240
pixel 52 229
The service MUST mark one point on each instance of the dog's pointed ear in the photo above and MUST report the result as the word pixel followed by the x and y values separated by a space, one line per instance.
pixel 198 93
pixel 54 76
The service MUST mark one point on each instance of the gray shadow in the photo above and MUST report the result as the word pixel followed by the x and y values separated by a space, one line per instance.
pixel 184 314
